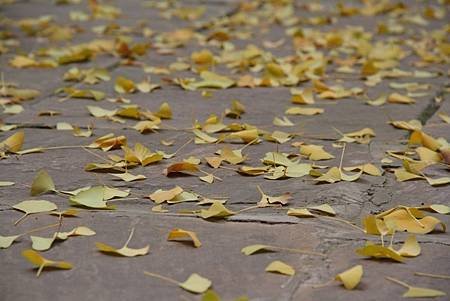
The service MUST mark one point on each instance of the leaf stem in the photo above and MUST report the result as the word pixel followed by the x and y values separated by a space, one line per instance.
pixel 129 237
pixel 343 221
pixel 170 280
pixel 398 282
pixel 20 219
pixel 432 275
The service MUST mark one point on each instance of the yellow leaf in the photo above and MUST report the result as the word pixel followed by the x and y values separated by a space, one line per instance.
pixel 124 85
pixel 164 112
pixel 351 277
pixel 216 210
pixel 252 249
pixel 92 198
pixel 282 121
pixel 266 199
pixel 196 284
pixel 42 183
pixel 176 234
pixel 180 167
pixel 161 196
pixel 410 247
pixel 300 212
pixel 302 96
pixel 438 181
pixel 209 178
pixel 13 143
pixel 34 206
pixel 315 152
pixel 324 208
pixel 378 251
pixel 401 99
pixel 444 116
pixel 141 154
pixel 36 259
pixel 127 177
pixel 7 241
pixel 125 250
pixel 402 175
pixel 303 111
pixel 417 292
pixel 281 268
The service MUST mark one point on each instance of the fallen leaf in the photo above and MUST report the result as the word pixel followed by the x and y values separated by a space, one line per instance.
pixel 303 111
pixel 266 199
pixel 252 249
pixel 410 247
pixel 351 277
pixel 216 210
pixel 281 268
pixel 180 167
pixel 161 196
pixel 7 241
pixel 36 259
pixel 34 206
pixel 378 251
pixel 315 152
pixel 417 292
pixel 124 85
pixel 42 183
pixel 13 143
pixel 176 234
pixel 196 284
pixel 127 177
pixel 92 198
pixel 125 250
pixel 401 99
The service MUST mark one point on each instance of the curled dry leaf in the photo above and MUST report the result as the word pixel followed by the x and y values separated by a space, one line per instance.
pixel 351 277
pixel 180 167
pixel 280 267
pixel 13 143
pixel 42 183
pixel 177 234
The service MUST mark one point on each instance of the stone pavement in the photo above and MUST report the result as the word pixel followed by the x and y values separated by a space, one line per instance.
pixel 376 47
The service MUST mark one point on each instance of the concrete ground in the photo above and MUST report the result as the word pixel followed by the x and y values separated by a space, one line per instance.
pixel 97 276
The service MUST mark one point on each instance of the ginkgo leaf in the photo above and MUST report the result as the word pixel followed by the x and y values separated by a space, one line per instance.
pixel 7 241
pixel 211 295
pixel 210 80
pixel 281 268
pixel 124 85
pixel 402 175
pixel 125 250
pixel 141 154
pixel 401 99
pixel 209 178
pixel 37 260
pixel 406 221
pixel 180 167
pixel 410 247
pixel 196 284
pixel 282 121
pixel 161 196
pixel 42 183
pixel 177 234
pixel 315 152
pixel 164 111
pixel 203 138
pixel 378 251
pixel 232 156
pixel 303 111
pixel 324 208
pixel 13 143
pixel 417 292
pixel 422 292
pixel 367 168
pixel 298 170
pixel 44 243
pixel 266 199
pixel 92 198
pixel 438 208
pixel 108 142
pixel 252 249
pixel 300 212
pixel 351 277
pixel 34 206
pixel 159 209
pixel 216 210
pixel 302 96
pixel 438 181
pixel 127 177
pixel 247 136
